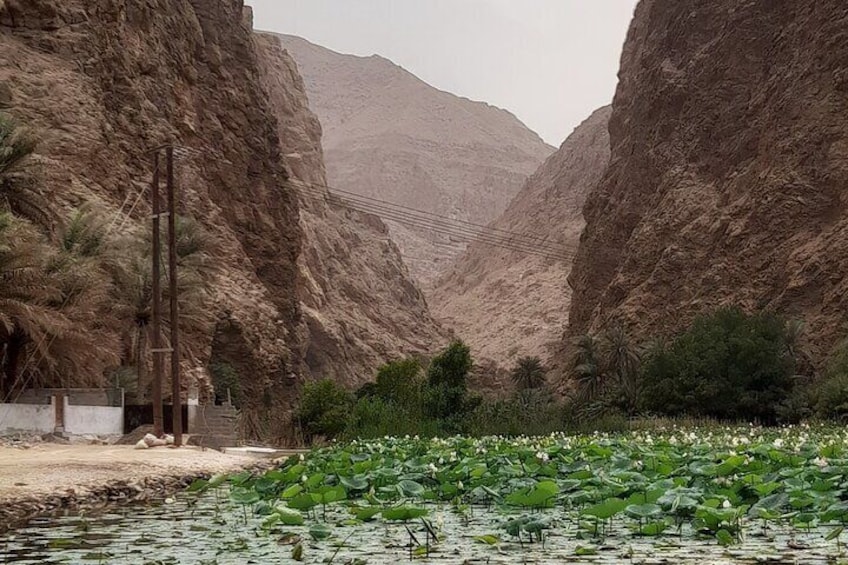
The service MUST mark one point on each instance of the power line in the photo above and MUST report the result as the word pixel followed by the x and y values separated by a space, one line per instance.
pixel 356 196
pixel 443 230
pixel 514 241
pixel 447 230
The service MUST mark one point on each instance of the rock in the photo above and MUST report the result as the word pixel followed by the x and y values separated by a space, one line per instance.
pixel 528 293
pixel 726 183
pixel 135 435
pixel 153 441
pixel 77 84
pixel 141 444
pixel 358 300
pixel 391 136
pixel 5 95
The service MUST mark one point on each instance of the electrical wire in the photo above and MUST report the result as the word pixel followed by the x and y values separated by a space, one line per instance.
pixel 515 241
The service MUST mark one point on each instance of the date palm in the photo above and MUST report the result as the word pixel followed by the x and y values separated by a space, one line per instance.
pixel 26 291
pixel 622 360
pixel 18 191
pixel 586 365
pixel 528 373
pixel 52 304
pixel 130 265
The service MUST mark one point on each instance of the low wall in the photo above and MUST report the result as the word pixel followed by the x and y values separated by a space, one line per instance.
pixel 97 420
pixel 39 418
pixel 78 419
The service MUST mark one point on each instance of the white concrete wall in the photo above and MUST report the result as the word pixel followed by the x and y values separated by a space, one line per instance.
pixel 97 420
pixel 38 418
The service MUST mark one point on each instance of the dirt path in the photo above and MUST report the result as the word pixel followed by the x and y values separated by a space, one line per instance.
pixel 47 478
pixel 50 469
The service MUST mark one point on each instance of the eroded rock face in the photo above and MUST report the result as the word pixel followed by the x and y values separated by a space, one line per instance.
pixel 727 181
pixel 512 303
pixel 360 306
pixel 390 136
pixel 104 81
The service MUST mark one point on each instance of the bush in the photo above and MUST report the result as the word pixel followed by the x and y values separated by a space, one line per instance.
pixel 528 412
pixel 832 397
pixel 446 395
pixel 727 365
pixel 324 409
pixel 224 377
pixel 400 382
pixel 374 418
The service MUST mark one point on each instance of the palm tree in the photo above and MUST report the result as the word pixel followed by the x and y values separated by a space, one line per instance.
pixel 25 294
pixel 130 266
pixel 17 192
pixel 528 373
pixel 586 366
pixel 622 362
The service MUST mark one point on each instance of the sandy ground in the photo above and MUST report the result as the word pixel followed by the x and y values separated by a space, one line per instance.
pixel 52 469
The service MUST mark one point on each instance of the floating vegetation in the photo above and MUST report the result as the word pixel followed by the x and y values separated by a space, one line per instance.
pixel 722 495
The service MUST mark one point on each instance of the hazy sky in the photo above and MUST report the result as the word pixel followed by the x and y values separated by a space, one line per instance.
pixel 550 62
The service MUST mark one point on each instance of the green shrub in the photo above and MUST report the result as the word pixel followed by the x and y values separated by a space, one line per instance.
pixel 832 395
pixel 324 409
pixel 727 365
pixel 225 377
pixel 446 395
pixel 400 382
pixel 528 412
pixel 375 418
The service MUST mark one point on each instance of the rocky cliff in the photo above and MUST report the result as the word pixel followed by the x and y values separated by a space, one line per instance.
pixel 360 307
pixel 103 82
pixel 390 136
pixel 510 303
pixel 729 167
pixel 299 290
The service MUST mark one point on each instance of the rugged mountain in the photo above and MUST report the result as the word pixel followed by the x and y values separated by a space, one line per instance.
pixel 509 303
pixel 360 307
pixel 298 292
pixel 390 136
pixel 729 167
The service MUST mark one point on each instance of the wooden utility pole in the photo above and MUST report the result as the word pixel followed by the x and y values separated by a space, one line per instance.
pixel 176 402
pixel 158 361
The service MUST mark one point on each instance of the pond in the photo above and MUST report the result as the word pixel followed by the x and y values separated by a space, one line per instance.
pixel 679 497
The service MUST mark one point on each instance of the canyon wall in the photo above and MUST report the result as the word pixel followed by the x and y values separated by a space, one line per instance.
pixel 728 174
pixel 102 82
pixel 360 306
pixel 392 137
pixel 510 303
pixel 301 289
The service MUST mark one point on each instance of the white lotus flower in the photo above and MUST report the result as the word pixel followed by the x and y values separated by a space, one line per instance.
pixel 726 504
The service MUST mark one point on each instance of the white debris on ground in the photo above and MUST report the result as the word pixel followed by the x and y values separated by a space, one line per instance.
pixel 150 440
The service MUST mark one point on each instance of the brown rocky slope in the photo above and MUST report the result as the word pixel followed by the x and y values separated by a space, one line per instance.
pixel 390 136
pixel 360 307
pixel 102 82
pixel 727 180
pixel 509 303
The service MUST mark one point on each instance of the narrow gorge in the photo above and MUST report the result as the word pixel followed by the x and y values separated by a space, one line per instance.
pixel 728 174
